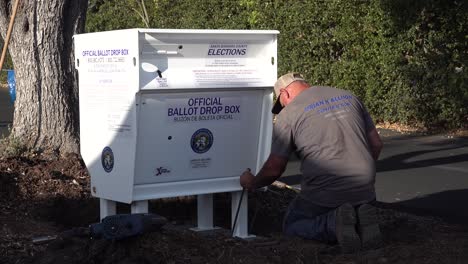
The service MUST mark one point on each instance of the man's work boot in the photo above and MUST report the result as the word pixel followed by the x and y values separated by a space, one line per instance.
pixel 346 229
pixel 368 227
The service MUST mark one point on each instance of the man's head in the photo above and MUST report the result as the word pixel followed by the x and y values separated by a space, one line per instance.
pixel 288 86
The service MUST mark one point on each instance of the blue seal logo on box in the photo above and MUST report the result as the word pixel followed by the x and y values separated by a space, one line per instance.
pixel 201 140
pixel 107 159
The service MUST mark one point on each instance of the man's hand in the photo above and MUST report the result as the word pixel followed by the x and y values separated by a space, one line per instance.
pixel 375 142
pixel 247 180
pixel 272 169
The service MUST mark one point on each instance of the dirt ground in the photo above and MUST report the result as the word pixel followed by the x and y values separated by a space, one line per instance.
pixel 47 197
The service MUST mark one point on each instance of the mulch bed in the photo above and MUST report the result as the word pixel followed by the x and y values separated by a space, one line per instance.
pixel 47 197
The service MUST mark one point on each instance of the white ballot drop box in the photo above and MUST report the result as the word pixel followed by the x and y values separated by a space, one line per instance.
pixel 167 113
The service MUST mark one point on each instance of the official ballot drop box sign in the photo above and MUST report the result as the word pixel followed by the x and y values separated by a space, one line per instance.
pixel 166 113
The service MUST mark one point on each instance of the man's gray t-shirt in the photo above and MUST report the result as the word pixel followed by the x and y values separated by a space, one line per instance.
pixel 327 128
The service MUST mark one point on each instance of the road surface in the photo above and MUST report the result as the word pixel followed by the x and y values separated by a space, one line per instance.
pixel 422 174
pixel 6 111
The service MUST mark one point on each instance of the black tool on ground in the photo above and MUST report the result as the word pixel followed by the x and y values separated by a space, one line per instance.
pixel 113 227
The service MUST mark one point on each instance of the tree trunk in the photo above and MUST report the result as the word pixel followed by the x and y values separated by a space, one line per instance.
pixel 46 115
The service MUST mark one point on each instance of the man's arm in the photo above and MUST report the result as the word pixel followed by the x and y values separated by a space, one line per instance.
pixel 375 143
pixel 271 170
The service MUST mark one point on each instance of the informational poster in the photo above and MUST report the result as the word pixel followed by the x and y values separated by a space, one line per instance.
pixel 108 88
pixel 222 65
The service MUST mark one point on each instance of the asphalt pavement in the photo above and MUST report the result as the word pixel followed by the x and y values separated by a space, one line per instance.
pixel 6 111
pixel 421 174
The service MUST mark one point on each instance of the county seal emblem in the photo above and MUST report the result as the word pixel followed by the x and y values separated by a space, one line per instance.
pixel 107 159
pixel 201 140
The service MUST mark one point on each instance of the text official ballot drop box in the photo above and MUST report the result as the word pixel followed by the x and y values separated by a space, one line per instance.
pixel 166 113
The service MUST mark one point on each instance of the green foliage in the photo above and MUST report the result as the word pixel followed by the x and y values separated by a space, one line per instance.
pixel 405 59
pixel 431 39
pixel 118 14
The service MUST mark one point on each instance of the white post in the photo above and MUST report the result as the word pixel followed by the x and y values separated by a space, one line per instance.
pixel 242 225
pixel 138 207
pixel 204 213
pixel 107 207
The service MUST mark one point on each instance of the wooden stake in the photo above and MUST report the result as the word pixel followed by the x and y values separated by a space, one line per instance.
pixel 10 28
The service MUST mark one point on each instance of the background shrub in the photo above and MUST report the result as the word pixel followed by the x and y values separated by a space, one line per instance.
pixel 405 59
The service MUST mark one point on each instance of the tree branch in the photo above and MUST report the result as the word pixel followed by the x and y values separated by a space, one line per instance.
pixel 146 13
pixel 143 14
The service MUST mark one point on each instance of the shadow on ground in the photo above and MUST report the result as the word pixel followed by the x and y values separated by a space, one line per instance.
pixel 447 205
